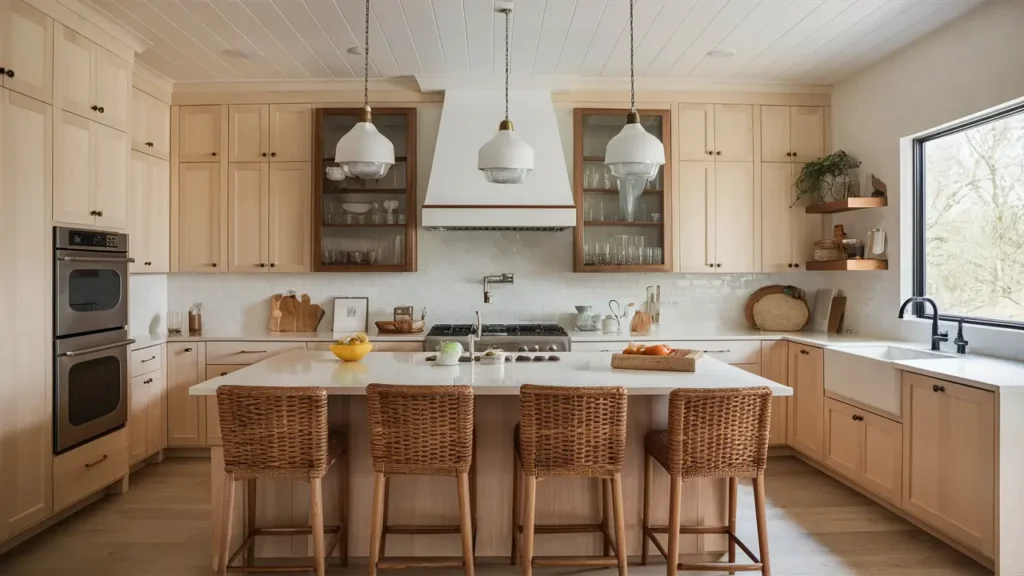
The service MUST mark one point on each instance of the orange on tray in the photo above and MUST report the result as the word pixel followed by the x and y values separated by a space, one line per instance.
pixel 657 350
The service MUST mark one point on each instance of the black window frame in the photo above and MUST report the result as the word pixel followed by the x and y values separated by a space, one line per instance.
pixel 920 220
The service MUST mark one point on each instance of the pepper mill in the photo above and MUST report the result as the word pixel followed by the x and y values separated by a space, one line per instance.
pixel 195 318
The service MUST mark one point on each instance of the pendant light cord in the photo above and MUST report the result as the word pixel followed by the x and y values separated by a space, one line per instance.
pixel 366 61
pixel 507 12
pixel 632 88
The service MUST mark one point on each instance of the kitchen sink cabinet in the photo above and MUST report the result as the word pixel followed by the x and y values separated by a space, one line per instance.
pixel 357 225
pixel 26 403
pixel 807 378
pixel 948 472
pixel 186 415
pixel 26 50
pixel 90 81
pixel 607 237
pixel 864 447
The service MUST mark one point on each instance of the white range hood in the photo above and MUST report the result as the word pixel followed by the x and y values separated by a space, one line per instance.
pixel 458 196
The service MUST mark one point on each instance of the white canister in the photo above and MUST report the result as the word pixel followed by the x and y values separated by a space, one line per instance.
pixel 610 324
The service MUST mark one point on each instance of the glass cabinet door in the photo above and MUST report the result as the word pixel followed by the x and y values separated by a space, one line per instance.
pixel 613 234
pixel 365 225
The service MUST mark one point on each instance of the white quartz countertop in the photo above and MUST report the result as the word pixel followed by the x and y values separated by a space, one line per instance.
pixel 145 341
pixel 993 374
pixel 321 369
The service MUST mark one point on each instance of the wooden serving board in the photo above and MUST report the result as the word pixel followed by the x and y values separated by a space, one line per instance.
pixel 400 326
pixel 676 361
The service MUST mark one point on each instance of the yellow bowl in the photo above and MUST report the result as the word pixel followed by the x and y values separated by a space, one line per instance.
pixel 351 352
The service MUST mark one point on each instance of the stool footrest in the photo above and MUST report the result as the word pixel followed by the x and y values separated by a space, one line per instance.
pixel 690 529
pixel 337 531
pixel 650 531
pixel 450 529
pixel 719 566
pixel 567 528
pixel 420 562
pixel 582 561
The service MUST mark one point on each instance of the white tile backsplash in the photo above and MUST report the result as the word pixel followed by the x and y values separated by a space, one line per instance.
pixel 147 304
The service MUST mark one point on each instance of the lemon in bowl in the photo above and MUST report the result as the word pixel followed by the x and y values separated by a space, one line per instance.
pixel 352 349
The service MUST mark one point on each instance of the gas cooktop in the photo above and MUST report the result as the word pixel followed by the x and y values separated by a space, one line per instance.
pixel 457 330
pixel 507 337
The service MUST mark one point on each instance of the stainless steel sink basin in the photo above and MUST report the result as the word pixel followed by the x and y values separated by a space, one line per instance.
pixel 865 375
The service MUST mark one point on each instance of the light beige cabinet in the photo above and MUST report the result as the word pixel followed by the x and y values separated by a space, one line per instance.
pixel 90 173
pixel 714 217
pixel 807 379
pixel 89 80
pixel 186 415
pixel 213 437
pixel 269 133
pixel 199 134
pixel 149 223
pixel 949 464
pixel 151 125
pixel 202 218
pixel 26 50
pixel 26 403
pixel 864 447
pixel 269 217
pixel 787 231
pixel 774 366
pixel 147 424
pixel 718 132
pixel 792 133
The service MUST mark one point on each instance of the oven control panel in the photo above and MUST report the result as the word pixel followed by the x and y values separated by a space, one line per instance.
pixel 84 239
pixel 94 240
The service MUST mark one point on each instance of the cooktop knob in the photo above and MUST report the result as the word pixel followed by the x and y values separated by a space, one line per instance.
pixel 552 348
pixel 539 358
pixel 536 348
pixel 523 349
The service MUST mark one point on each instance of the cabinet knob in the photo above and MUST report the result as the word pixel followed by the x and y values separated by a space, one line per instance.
pixel 938 388
pixel 710 153
pixel 150 144
pixel 272 265
pixel 100 213
pixel 92 212
pixel 101 109
pixel 719 265
pixel 262 265
pixel 719 153
pixel 147 381
pixel 3 70
pixel 264 154
pixel 804 352
pixel 213 153
pixel 10 73
pixel 857 418
pixel 147 263
pixel 790 265
pixel 223 373
pixel 187 350
pixel 796 265
pixel 214 264
pixel 711 265
pixel 273 154
pixel 94 108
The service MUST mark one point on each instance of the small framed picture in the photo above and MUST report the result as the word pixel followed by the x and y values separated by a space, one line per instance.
pixel 351 314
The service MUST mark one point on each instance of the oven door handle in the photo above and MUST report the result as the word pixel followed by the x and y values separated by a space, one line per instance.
pixel 93 259
pixel 96 349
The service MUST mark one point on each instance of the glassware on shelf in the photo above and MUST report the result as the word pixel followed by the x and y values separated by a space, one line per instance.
pixel 602 254
pixel 356 257
pixel 620 250
pixel 371 257
pixel 175 320
pixel 361 218
pixel 401 216
pixel 390 206
pixel 399 250
pixel 348 218
pixel 656 217
pixel 607 181
pixel 657 256
pixel 636 250
pixel 376 216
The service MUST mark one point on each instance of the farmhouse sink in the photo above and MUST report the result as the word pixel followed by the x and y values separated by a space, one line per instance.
pixel 864 375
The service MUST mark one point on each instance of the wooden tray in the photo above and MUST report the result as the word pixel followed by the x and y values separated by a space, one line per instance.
pixel 400 327
pixel 676 361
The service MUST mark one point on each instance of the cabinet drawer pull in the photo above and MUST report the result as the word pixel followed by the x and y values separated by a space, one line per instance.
pixel 147 381
pixel 252 351
pixel 804 352
pixel 716 351
pixel 150 359
pixel 94 108
pixel 937 388
pixel 857 418
pixel 187 350
pixel 96 462
pixel 223 373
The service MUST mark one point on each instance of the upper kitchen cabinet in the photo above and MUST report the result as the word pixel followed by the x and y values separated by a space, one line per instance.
pixel 792 133
pixel 199 133
pixel 202 218
pixel 149 205
pixel 89 80
pixel 269 133
pixel 363 225
pixel 26 50
pixel 718 132
pixel 268 217
pixel 787 231
pixel 612 234
pixel 715 218
pixel 90 173
pixel 151 125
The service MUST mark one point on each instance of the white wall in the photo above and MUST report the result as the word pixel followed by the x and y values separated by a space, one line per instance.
pixel 147 304
pixel 971 64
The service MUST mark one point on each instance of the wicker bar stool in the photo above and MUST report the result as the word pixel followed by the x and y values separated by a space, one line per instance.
pixel 280 432
pixel 712 433
pixel 569 432
pixel 423 431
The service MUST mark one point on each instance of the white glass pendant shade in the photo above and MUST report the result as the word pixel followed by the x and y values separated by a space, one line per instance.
pixel 634 152
pixel 364 152
pixel 630 189
pixel 506 158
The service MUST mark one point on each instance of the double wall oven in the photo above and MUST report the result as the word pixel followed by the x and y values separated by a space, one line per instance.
pixel 90 318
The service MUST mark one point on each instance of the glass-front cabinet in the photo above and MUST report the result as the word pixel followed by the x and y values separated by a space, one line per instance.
pixel 616 233
pixel 365 225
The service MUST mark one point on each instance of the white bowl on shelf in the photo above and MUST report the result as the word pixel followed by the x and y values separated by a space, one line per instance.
pixel 356 207
pixel 335 173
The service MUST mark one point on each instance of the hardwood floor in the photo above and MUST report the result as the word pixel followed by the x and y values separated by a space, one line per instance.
pixel 816 527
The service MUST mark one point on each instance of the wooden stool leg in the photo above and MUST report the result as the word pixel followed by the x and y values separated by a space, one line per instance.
pixel 384 522
pixel 762 524
pixel 227 506
pixel 530 509
pixel 606 490
pixel 673 526
pixel 466 523
pixel 316 512
pixel 250 520
pixel 620 523
pixel 472 493
pixel 648 479
pixel 515 507
pixel 343 507
pixel 376 519
pixel 733 485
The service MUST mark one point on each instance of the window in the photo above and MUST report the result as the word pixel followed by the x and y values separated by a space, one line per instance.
pixel 969 219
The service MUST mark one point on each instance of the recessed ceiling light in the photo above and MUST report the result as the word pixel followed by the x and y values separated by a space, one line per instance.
pixel 235 53
pixel 357 50
pixel 722 53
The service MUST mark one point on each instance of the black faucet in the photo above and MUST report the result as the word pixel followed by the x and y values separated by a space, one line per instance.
pixel 961 344
pixel 937 337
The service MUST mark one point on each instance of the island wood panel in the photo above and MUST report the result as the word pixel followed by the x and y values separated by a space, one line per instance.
pixel 432 500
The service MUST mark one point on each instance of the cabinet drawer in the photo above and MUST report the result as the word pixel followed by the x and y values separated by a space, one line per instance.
pixel 246 352
pixel 147 360
pixel 86 469
pixel 728 351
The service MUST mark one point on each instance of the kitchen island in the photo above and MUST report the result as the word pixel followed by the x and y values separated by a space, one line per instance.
pixel 421 500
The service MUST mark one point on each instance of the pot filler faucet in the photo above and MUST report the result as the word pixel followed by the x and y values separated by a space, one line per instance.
pixel 503 278
pixel 937 337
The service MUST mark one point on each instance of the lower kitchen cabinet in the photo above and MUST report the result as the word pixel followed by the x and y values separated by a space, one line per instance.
pixel 774 363
pixel 147 421
pixel 212 416
pixel 88 468
pixel 864 447
pixel 186 415
pixel 807 379
pixel 948 472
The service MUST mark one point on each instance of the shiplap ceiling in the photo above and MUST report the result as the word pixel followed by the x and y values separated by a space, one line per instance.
pixel 791 41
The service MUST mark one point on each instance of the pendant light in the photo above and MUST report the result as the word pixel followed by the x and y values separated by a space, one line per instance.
pixel 633 156
pixel 506 158
pixel 364 152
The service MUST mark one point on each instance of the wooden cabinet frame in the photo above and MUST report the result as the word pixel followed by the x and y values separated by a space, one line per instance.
pixel 321 158
pixel 668 185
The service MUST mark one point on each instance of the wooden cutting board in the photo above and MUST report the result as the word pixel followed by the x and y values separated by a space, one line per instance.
pixel 291 314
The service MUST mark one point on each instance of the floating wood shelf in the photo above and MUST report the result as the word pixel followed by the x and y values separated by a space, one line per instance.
pixel 620 223
pixel 858 264
pixel 847 205
pixel 593 158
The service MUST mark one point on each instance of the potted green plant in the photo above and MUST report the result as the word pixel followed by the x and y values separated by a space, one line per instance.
pixel 830 178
